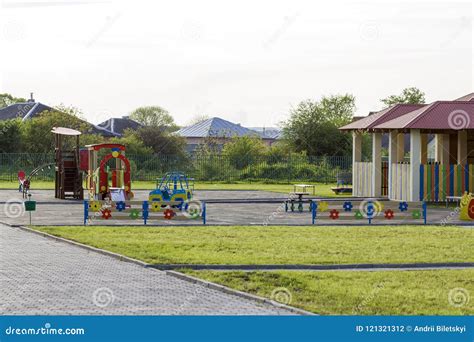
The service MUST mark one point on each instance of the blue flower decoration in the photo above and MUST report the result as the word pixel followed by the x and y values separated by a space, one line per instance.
pixel 120 206
pixel 347 206
pixel 403 206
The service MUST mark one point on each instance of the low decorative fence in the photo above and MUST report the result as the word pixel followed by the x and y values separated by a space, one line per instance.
pixel 145 211
pixel 369 211
pixel 438 181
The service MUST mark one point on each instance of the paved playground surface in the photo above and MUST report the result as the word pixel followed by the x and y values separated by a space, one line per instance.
pixel 41 276
pixel 223 208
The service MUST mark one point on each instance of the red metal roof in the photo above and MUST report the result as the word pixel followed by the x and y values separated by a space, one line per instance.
pixel 384 115
pixel 468 97
pixel 438 115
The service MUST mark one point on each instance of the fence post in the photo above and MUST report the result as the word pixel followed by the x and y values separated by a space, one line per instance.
pixel 86 211
pixel 145 211
pixel 203 212
pixel 425 212
pixel 370 211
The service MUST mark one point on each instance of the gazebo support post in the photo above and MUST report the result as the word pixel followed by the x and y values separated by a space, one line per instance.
pixel 462 147
pixel 377 164
pixel 393 156
pixel 356 157
pixel 400 147
pixel 415 161
pixel 424 149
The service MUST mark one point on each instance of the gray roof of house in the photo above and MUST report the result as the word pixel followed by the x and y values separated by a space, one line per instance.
pixel 215 127
pixel 119 125
pixel 31 109
pixel 267 132
pixel 23 110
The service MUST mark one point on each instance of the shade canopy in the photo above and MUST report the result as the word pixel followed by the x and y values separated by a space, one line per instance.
pixel 65 131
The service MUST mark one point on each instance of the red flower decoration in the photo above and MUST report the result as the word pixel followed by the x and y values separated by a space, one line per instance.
pixel 168 214
pixel 106 214
pixel 334 214
pixel 389 214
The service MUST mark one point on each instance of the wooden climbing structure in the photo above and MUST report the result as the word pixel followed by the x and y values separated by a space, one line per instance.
pixel 68 180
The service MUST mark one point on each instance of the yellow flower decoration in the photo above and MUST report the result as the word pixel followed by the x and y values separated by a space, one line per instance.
pixel 94 206
pixel 323 206
pixel 379 207
pixel 155 206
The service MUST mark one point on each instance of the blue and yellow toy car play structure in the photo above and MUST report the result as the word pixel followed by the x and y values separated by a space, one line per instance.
pixel 174 186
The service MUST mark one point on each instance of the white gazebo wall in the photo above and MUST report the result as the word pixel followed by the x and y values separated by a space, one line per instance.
pixel 362 179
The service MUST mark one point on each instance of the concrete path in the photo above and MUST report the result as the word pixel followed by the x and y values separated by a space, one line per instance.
pixel 40 276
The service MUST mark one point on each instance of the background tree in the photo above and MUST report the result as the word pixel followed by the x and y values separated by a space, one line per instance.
pixel 10 136
pixel 7 100
pixel 154 116
pixel 133 143
pixel 410 95
pixel 161 141
pixel 313 126
pixel 36 132
pixel 243 151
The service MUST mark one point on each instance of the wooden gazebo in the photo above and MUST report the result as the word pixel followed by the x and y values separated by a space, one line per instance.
pixel 449 124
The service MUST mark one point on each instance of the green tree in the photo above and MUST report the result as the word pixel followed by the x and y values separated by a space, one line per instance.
pixel 154 116
pixel 161 141
pixel 313 126
pixel 36 132
pixel 410 95
pixel 10 136
pixel 133 143
pixel 7 100
pixel 243 151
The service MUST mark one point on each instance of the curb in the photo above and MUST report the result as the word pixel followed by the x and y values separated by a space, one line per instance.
pixel 175 274
pixel 298 267
pixel 238 293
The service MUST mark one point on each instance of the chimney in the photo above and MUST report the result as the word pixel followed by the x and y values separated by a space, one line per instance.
pixel 31 98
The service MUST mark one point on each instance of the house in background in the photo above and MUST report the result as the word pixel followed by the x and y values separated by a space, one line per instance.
pixel 31 109
pixel 119 125
pixel 220 130
pixel 23 110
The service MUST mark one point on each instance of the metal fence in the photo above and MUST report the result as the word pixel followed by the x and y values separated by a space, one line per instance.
pixel 219 168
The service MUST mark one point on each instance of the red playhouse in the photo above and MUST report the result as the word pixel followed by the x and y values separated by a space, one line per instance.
pixel 111 179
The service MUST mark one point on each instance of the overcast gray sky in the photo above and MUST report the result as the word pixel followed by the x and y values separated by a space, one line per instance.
pixel 245 61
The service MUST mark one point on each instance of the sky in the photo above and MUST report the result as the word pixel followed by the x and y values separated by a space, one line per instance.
pixel 249 62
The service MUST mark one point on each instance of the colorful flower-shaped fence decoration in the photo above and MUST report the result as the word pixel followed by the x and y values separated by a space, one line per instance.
pixel 143 210
pixel 374 211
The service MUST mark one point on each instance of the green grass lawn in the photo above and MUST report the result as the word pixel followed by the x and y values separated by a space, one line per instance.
pixel 357 292
pixel 321 189
pixel 279 245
